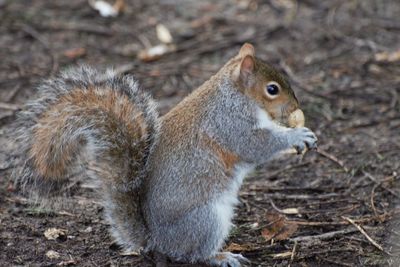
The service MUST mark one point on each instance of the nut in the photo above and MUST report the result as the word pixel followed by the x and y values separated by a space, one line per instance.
pixel 296 119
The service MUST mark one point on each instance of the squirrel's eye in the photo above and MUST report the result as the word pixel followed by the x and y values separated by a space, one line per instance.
pixel 272 89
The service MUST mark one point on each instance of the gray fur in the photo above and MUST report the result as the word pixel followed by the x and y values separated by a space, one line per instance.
pixel 181 202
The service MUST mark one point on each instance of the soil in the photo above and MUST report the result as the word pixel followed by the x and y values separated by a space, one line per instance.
pixel 338 206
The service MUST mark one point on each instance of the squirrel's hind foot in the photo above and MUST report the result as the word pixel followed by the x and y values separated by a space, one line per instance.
pixel 227 259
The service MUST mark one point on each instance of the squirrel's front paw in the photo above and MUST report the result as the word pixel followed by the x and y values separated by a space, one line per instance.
pixel 227 259
pixel 302 139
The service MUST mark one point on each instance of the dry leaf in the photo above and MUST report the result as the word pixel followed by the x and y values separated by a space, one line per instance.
pixel 278 228
pixel 67 263
pixel 119 5
pixel 290 211
pixel 54 233
pixel 75 52
pixel 106 9
pixel 387 56
pixel 155 52
pixel 234 247
pixel 51 254
pixel 163 34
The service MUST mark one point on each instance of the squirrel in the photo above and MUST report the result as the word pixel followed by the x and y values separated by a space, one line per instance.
pixel 169 184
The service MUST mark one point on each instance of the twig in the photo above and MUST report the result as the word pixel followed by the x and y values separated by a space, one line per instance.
pixel 373 202
pixel 9 106
pixel 323 236
pixel 296 196
pixel 315 253
pixel 284 211
pixel 382 218
pixel 332 158
pixel 362 231
pixel 372 178
pixel 293 253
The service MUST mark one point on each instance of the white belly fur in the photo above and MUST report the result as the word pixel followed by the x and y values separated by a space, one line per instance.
pixel 224 206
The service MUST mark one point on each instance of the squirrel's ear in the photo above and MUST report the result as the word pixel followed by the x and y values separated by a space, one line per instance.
pixel 247 70
pixel 247 50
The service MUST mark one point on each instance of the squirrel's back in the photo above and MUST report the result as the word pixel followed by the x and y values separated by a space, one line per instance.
pixel 93 124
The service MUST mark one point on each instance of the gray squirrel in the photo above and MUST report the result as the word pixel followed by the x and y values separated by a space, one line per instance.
pixel 169 184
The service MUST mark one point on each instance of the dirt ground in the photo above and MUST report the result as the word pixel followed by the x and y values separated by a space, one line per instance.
pixel 338 206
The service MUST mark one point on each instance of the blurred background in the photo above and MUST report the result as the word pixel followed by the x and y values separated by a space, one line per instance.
pixel 343 61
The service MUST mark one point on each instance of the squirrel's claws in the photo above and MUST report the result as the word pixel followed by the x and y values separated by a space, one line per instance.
pixel 302 140
pixel 241 258
pixel 298 150
pixel 227 259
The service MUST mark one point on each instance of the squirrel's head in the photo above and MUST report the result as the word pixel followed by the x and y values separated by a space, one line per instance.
pixel 267 87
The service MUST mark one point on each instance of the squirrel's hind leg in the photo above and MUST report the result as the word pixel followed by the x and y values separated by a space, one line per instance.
pixel 194 237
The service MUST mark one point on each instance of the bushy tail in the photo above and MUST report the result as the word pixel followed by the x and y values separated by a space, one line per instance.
pixel 92 124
